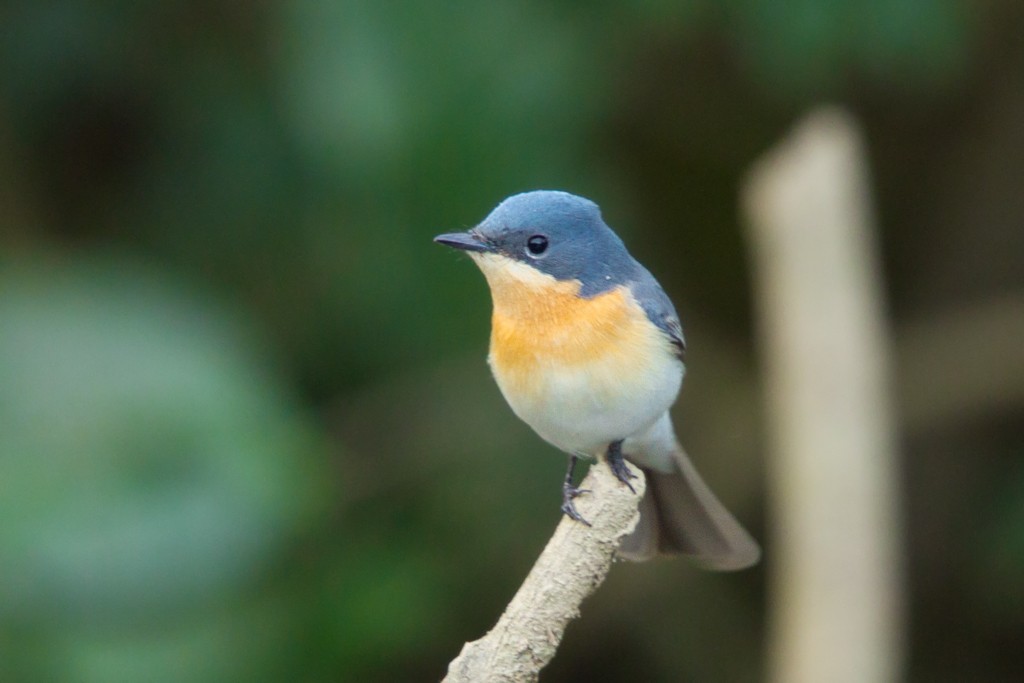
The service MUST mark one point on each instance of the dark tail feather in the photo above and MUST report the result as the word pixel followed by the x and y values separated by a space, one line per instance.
pixel 679 514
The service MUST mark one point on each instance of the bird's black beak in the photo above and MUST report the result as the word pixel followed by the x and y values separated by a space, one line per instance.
pixel 466 241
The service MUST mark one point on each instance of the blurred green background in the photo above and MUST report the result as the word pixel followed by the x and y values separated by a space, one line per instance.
pixel 246 428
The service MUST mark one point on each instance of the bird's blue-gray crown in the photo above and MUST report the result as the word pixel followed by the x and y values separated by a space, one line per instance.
pixel 559 234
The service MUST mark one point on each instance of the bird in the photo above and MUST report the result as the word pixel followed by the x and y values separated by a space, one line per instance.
pixel 587 349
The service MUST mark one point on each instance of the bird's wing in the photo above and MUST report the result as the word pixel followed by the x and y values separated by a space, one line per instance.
pixel 659 309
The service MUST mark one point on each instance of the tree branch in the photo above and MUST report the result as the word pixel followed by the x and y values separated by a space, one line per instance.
pixel 573 564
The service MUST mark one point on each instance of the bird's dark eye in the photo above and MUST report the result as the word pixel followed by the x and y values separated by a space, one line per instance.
pixel 537 245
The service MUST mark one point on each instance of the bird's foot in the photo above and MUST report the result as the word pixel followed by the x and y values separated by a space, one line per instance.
pixel 570 492
pixel 618 464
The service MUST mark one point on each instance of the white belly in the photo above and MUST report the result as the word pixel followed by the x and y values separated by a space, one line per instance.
pixel 584 408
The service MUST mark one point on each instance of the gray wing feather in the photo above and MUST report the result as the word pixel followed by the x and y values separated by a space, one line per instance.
pixel 659 309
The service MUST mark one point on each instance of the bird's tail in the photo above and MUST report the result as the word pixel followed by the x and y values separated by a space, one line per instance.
pixel 680 515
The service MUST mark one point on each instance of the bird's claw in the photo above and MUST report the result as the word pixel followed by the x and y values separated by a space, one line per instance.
pixel 619 467
pixel 568 507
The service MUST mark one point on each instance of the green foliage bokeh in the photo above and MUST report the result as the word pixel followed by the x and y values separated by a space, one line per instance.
pixel 246 429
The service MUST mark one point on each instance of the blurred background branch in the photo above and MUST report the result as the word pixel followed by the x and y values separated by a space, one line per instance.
pixel 835 566
pixel 990 334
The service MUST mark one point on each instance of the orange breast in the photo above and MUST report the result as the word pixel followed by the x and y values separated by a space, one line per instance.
pixel 544 329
